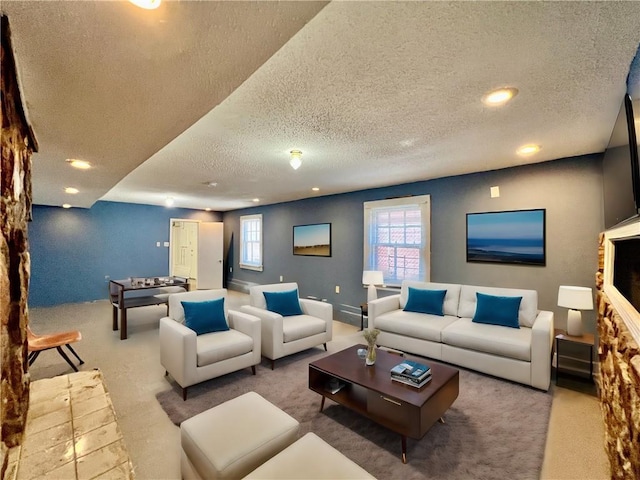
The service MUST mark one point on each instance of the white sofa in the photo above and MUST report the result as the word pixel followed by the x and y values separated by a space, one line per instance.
pixel 282 336
pixel 192 358
pixel 520 354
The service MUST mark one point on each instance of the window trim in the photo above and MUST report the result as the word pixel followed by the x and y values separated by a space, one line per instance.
pixel 424 203
pixel 251 266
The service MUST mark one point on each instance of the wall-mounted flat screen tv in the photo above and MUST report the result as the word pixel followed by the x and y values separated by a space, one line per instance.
pixel 621 167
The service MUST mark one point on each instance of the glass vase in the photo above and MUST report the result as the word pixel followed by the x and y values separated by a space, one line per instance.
pixel 371 355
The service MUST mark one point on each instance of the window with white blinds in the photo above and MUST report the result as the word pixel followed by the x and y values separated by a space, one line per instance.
pixel 397 235
pixel 251 242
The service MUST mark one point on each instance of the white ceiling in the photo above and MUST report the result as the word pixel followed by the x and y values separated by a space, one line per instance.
pixel 373 93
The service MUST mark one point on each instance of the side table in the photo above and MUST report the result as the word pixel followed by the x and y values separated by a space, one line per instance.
pixel 364 311
pixel 585 341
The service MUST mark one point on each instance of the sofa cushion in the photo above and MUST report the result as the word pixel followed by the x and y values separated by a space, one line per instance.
pixel 217 346
pixel 495 310
pixel 450 305
pixel 417 325
pixel 301 326
pixel 284 303
pixel 527 312
pixel 425 301
pixel 505 342
pixel 206 316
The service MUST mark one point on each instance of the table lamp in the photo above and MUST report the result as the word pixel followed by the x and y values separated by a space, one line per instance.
pixel 575 299
pixel 372 278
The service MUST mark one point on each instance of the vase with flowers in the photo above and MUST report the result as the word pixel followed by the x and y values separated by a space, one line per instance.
pixel 371 335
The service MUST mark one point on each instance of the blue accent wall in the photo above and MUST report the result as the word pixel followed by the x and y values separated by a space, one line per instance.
pixel 72 250
pixel 569 189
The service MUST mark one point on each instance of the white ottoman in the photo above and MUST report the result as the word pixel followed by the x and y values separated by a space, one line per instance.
pixel 233 438
pixel 309 457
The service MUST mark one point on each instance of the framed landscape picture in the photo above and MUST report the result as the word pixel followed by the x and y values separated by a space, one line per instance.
pixel 312 240
pixel 507 237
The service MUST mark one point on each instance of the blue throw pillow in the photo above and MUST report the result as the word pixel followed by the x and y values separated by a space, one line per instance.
pixel 425 301
pixel 284 303
pixel 205 317
pixel 496 310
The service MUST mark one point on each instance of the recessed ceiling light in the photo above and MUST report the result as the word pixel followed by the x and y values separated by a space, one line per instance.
pixel 316 189
pixel 207 209
pixel 526 150
pixel 66 205
pixel 147 4
pixel 499 96
pixel 212 184
pixel 71 190
pixel 256 200
pixel 80 164
pixel 169 201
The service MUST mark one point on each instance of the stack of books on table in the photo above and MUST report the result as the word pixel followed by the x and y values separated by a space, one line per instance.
pixel 411 373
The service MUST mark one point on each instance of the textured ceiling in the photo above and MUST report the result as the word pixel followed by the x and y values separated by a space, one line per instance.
pixel 373 93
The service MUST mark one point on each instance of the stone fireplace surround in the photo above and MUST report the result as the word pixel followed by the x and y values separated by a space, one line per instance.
pixel 619 352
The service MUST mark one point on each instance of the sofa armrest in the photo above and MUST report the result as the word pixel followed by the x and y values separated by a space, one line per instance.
pixel 382 305
pixel 317 309
pixel 178 350
pixel 248 324
pixel 542 333
pixel 271 328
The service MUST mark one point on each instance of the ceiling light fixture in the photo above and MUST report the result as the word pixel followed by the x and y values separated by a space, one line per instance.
pixel 499 97
pixel 71 190
pixel 147 4
pixel 256 200
pixel 66 205
pixel 526 150
pixel 169 201
pixel 207 209
pixel 296 159
pixel 212 184
pixel 80 164
pixel 316 189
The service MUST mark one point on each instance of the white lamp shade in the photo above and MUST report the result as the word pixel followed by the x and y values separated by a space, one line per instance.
pixel 576 298
pixel 372 277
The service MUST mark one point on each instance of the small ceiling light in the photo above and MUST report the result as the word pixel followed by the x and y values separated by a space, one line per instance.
pixel 296 159
pixel 80 164
pixel 169 201
pixel 499 97
pixel 256 200
pixel 207 209
pixel 212 184
pixel 316 189
pixel 147 4
pixel 71 190
pixel 526 150
pixel 66 205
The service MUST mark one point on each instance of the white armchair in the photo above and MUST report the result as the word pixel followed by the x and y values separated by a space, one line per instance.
pixel 191 358
pixel 284 335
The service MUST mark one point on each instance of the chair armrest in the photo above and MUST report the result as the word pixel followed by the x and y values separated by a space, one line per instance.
pixel 247 324
pixel 178 350
pixel 382 305
pixel 271 328
pixel 317 309
pixel 542 333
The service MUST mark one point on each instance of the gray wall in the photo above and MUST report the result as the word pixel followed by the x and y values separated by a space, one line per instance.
pixel 569 189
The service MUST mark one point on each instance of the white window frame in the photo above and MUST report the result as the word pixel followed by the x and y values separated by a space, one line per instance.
pixel 245 262
pixel 423 202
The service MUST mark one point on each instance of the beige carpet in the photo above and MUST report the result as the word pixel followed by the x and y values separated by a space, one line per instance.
pixel 133 374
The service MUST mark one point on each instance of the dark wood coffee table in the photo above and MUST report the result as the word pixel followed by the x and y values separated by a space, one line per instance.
pixel 369 390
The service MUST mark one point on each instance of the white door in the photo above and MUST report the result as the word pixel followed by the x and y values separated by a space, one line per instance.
pixel 184 249
pixel 210 252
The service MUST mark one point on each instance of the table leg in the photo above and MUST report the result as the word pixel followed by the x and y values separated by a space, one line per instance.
pixel 404 449
pixel 123 324
pixel 115 318
pixel 322 402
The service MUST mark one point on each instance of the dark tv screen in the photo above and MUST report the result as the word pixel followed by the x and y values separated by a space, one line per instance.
pixel 620 167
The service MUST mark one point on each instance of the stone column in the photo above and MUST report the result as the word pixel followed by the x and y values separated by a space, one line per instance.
pixel 619 385
pixel 18 144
